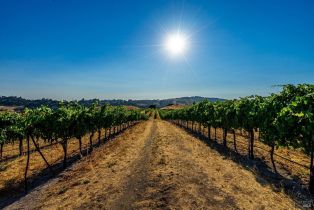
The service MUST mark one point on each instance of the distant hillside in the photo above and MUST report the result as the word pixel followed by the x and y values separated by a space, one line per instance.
pixel 179 101
pixel 173 107
pixel 21 102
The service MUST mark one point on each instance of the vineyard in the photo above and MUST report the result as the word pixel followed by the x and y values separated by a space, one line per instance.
pixel 276 130
pixel 283 120
pixel 42 130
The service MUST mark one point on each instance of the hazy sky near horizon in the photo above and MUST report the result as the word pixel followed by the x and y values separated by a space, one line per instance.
pixel 73 49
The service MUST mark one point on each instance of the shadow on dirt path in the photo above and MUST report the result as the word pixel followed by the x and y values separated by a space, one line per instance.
pixel 263 173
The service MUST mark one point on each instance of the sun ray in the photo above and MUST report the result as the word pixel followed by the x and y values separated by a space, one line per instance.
pixel 176 44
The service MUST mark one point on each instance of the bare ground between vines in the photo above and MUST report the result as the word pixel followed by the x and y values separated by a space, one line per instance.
pixel 155 165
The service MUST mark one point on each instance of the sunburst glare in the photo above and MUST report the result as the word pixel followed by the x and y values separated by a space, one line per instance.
pixel 176 44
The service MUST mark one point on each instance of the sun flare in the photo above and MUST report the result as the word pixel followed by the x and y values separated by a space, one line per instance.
pixel 176 44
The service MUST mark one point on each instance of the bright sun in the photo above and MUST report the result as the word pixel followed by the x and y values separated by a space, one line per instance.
pixel 176 44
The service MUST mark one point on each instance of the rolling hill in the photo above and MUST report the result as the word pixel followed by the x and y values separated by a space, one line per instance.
pixel 19 101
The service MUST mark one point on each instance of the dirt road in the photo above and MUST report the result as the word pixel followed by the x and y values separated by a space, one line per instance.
pixel 155 165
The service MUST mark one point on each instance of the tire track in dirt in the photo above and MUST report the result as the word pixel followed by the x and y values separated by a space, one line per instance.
pixel 188 186
pixel 144 188
pixel 166 177
pixel 138 180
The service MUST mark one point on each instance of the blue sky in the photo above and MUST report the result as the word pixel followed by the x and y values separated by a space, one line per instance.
pixel 111 49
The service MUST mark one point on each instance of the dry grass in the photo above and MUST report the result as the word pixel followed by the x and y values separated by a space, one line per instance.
pixel 11 150
pixel 11 108
pixel 285 168
pixel 297 167
pixel 12 171
pixel 131 107
pixel 155 165
pixel 174 106
pixel 201 178
pixel 94 179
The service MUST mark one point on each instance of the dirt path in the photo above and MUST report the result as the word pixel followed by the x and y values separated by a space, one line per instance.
pixel 155 165
pixel 136 183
